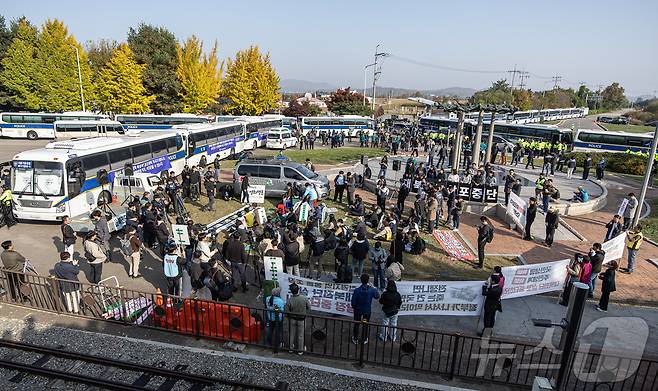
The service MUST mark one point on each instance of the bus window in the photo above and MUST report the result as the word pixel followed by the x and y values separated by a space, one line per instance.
pixel 119 158
pixel 93 163
pixel 171 144
pixel 141 152
pixel 158 146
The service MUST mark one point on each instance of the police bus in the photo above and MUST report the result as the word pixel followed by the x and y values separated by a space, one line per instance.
pixel 76 129
pixel 39 125
pixel 591 140
pixel 350 125
pixel 158 122
pixel 509 131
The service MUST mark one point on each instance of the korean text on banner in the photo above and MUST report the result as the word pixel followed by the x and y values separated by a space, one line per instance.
pixel 180 234
pixel 614 248
pixel 526 280
pixel 273 268
pixel 256 193
pixel 323 296
pixel 516 208
pixel 461 298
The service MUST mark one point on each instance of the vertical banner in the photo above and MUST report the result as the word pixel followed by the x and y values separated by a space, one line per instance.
pixel 614 248
pixel 180 234
pixel 303 212
pixel 526 280
pixel 261 216
pixel 622 207
pixel 516 208
pixel 273 268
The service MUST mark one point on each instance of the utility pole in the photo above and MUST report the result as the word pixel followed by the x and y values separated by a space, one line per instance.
pixel 523 76
pixel 365 80
pixel 77 59
pixel 647 177
pixel 513 73
pixel 556 81
pixel 375 74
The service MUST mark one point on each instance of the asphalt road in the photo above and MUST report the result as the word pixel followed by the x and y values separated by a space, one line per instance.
pixel 588 122
pixel 10 147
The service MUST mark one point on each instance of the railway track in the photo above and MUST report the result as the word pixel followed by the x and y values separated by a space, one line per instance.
pixel 61 366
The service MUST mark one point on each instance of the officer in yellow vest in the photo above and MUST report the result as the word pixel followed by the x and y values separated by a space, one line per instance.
pixel 633 241
pixel 539 185
pixel 6 209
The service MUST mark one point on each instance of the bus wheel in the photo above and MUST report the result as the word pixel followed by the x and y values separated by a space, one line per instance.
pixel 105 197
pixel 32 135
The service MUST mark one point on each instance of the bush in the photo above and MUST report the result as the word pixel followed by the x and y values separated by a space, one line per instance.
pixel 615 162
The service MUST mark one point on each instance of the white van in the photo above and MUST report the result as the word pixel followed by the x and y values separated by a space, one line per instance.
pixel 280 138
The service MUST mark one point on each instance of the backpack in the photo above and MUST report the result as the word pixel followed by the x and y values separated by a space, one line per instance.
pixel 209 280
pixel 490 236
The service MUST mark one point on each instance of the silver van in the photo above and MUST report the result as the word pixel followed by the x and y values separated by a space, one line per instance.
pixel 275 175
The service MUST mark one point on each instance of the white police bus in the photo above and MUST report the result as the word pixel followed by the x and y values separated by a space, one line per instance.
pixel 591 140
pixel 158 122
pixel 39 125
pixel 350 125
pixel 76 129
pixel 223 139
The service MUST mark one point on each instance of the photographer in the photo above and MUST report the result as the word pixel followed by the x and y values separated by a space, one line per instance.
pixel 234 252
pixel 492 293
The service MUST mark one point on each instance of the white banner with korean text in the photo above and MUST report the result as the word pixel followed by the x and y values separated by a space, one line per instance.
pixel 460 298
pixel 614 248
pixel 526 280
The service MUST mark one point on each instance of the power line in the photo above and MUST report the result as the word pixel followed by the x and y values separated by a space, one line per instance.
pixel 443 67
pixel 556 81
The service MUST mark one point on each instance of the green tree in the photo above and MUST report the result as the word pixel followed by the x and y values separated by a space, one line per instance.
pixel 18 67
pixel 498 94
pixel 613 97
pixel 6 36
pixel 155 47
pixel 522 99
pixel 100 53
pixel 345 101
pixel 120 84
pixel 56 71
pixel 582 96
pixel 251 85
pixel 199 75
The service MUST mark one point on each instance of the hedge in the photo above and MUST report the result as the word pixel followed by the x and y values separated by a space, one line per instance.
pixel 615 162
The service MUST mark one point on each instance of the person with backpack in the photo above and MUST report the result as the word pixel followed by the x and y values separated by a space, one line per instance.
pixel 217 281
pixel 391 302
pixel 552 221
pixel 172 264
pixel 359 248
pixel 378 258
pixel 68 269
pixel 95 255
pixel 292 252
pixel 297 307
pixel 196 271
pixel 362 305
pixel 68 235
pixel 485 236
pixel 274 318
pixel 596 256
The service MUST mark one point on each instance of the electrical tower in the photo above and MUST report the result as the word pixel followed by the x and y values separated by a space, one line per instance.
pixel 556 81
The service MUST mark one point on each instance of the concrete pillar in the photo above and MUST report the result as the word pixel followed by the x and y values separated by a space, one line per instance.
pixel 487 156
pixel 457 145
pixel 478 139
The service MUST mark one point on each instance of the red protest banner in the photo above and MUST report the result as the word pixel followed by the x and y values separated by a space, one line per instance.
pixel 453 246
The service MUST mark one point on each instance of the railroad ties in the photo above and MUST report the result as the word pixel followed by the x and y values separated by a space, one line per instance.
pixel 26 361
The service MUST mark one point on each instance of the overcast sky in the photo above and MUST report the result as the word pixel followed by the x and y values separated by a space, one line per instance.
pixel 597 42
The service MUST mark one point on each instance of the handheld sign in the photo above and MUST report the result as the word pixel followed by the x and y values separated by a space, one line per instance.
pixel 273 268
pixel 256 193
pixel 181 236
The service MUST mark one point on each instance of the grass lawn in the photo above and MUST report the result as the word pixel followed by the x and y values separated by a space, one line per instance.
pixel 628 128
pixel 548 123
pixel 324 156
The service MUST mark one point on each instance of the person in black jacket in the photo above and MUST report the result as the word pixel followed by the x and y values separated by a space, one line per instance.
pixel 235 253
pixel 530 215
pixel 596 257
pixel 609 286
pixel 162 234
pixel 403 192
pixel 291 251
pixel 391 302
pixel 485 235
pixel 68 235
pixel 552 221
pixel 68 269
pixel 587 166
pixel 341 255
pixel 211 188
pixel 491 303
pixel 359 250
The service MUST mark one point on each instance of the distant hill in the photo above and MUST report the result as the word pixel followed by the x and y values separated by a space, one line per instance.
pixel 294 85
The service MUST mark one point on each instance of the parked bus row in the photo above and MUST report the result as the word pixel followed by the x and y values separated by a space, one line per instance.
pixel 70 177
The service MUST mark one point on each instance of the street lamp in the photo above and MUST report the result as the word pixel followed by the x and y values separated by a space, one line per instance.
pixel 77 59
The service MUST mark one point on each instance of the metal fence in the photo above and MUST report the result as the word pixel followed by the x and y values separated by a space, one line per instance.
pixel 497 360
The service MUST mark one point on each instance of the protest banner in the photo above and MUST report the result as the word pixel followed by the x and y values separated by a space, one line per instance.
pixel 329 297
pixel 622 207
pixel 256 194
pixel 526 280
pixel 517 208
pixel 273 267
pixel 461 298
pixel 452 245
pixel 614 248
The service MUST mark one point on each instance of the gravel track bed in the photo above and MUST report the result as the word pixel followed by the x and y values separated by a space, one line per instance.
pixel 218 365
